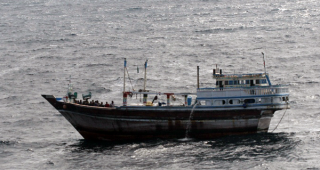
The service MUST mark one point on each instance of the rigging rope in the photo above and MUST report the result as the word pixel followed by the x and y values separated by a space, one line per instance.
pixel 130 79
pixel 281 118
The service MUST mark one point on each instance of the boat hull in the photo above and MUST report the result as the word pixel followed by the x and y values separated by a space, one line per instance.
pixel 141 123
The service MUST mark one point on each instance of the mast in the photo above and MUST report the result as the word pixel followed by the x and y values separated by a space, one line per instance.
pixel 70 87
pixel 124 83
pixel 265 71
pixel 198 84
pixel 264 64
pixel 124 75
pixel 145 74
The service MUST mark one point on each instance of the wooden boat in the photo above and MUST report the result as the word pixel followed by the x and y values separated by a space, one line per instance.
pixel 238 104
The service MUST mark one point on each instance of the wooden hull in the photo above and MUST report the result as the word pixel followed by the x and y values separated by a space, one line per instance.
pixel 141 122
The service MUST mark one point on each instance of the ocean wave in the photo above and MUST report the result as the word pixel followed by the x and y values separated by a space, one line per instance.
pixel 96 65
pixel 216 30
pixel 8 142
pixel 135 9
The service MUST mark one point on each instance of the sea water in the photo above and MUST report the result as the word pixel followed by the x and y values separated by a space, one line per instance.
pixel 42 43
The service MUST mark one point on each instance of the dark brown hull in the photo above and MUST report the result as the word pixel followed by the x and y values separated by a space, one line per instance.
pixel 140 123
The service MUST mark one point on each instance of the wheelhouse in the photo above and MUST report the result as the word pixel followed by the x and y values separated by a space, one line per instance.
pixel 240 80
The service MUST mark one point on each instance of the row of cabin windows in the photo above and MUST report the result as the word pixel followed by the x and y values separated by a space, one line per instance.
pixel 236 82
pixel 248 101
pixel 230 102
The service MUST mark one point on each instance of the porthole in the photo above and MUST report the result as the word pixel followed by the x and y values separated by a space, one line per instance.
pixel 249 101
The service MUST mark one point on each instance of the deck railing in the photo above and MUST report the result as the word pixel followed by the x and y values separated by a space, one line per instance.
pixel 254 90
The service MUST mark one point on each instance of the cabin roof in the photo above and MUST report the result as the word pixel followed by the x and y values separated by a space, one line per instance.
pixel 252 75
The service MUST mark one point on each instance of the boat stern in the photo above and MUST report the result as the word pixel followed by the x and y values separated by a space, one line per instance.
pixel 264 121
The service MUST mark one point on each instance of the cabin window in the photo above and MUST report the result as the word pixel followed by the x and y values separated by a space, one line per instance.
pixel 236 82
pixel 242 82
pixel 251 83
pixel 249 101
pixel 230 82
pixel 263 81
pixel 236 101
pixel 230 101
pixel 219 83
pixel 257 81
pixel 226 83
pixel 219 102
pixel 247 81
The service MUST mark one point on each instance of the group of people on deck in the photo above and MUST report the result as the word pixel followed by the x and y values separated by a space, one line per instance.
pixel 95 103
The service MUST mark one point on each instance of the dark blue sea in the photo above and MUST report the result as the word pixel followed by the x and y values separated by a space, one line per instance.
pixel 43 43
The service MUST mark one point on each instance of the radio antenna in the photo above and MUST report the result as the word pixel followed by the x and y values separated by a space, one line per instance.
pixel 264 63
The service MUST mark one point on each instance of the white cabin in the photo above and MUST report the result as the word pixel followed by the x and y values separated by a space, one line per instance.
pixel 242 90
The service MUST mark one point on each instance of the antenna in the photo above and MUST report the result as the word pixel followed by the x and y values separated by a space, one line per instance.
pixel 265 72
pixel 70 86
pixel 198 83
pixel 145 74
pixel 124 75
pixel 264 63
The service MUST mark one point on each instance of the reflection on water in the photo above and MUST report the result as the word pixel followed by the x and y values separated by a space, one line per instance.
pixel 232 148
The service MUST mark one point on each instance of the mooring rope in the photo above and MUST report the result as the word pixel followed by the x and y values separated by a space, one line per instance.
pixel 281 117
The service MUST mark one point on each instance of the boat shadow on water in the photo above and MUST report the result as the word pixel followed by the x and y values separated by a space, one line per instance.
pixel 230 148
